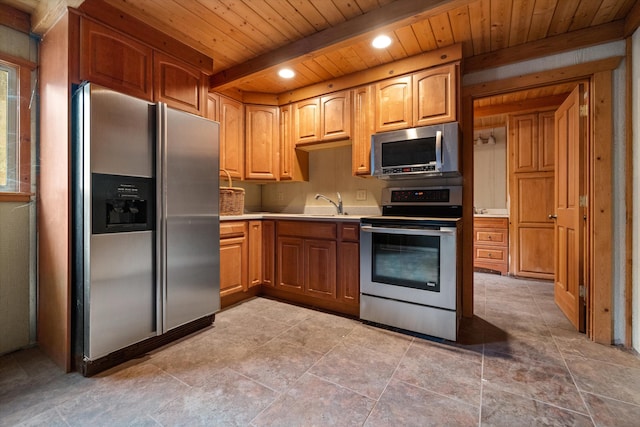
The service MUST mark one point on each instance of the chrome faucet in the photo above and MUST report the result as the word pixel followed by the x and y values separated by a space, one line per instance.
pixel 338 205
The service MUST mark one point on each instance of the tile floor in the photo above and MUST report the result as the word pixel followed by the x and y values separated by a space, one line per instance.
pixel 267 363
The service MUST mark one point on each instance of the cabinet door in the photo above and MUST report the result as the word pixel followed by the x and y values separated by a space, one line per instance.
pixel 213 106
pixel 114 60
pixel 335 116
pixel 232 137
pixel 320 268
pixel 268 252
pixel 255 253
pixel 523 142
pixel 349 272
pixel 434 95
pixel 306 121
pixel 290 266
pixel 261 142
pixel 178 84
pixel 393 104
pixel 362 130
pixel 233 269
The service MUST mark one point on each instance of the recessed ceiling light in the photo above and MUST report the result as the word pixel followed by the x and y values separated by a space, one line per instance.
pixel 381 42
pixel 286 73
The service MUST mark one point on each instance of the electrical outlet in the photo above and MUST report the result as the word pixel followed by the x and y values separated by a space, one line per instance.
pixel 280 196
pixel 361 195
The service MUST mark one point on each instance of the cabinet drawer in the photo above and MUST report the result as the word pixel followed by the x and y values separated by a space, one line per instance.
pixel 491 222
pixel 319 230
pixel 491 236
pixel 491 254
pixel 350 232
pixel 232 229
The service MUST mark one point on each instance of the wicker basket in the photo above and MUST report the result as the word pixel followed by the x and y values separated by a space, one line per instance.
pixel 231 198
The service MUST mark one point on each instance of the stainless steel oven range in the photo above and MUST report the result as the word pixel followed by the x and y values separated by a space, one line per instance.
pixel 410 261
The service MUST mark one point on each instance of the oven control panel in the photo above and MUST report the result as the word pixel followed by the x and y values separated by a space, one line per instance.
pixel 420 196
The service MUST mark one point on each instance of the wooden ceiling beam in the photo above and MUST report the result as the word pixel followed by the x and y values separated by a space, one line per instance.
pixel 47 13
pixel 400 12
pixel 548 46
pixel 16 19
pixel 632 21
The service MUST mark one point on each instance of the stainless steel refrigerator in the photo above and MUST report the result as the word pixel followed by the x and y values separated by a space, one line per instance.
pixel 145 225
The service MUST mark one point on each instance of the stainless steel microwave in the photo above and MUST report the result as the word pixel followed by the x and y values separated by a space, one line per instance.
pixel 422 152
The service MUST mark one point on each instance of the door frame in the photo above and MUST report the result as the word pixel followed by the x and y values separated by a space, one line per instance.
pixel 599 181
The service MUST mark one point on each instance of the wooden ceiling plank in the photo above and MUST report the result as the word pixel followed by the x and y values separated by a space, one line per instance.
pixel 541 19
pixel 310 13
pixel 556 44
pixel 327 64
pixel 520 21
pixel 337 36
pixel 461 28
pixel 562 17
pixel 584 15
pixel 312 65
pixel 256 23
pixel 408 40
pixel 480 19
pixel 329 12
pixel 424 35
pixel 341 62
pixel 632 21
pixel 441 27
pixel 274 18
pixel 349 9
pixel 351 55
pixel 292 16
pixel 607 12
pixel 500 23
pixel 625 9
pixel 396 50
pixel 371 57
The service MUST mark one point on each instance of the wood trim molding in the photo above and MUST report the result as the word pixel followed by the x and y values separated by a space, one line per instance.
pixel 520 106
pixel 14 18
pixel 629 196
pixel 543 78
pixel 551 45
pixel 632 21
pixel 15 197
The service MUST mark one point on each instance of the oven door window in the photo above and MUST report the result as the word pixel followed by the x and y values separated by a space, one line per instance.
pixel 406 260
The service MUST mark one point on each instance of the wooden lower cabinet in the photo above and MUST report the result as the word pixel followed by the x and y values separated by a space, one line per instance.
pixel 491 244
pixel 320 268
pixel 233 257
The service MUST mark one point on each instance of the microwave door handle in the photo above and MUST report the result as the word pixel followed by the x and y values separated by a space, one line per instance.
pixel 439 151
pixel 408 231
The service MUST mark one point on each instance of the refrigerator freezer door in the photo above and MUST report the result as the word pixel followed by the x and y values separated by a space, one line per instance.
pixel 121 302
pixel 190 222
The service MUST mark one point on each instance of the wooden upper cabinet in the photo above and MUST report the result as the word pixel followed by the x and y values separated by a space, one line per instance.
pixel 523 137
pixel 231 115
pixel 178 84
pixel 287 147
pixel 307 121
pixel 546 154
pixel 335 116
pixel 394 105
pixel 213 106
pixel 434 95
pixel 362 130
pixel 111 59
pixel 261 142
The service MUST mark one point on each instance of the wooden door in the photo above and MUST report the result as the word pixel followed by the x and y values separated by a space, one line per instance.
pixel 290 266
pixel 261 142
pixel 531 234
pixel 569 211
pixel 320 268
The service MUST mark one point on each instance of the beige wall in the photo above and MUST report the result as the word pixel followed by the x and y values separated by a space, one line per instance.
pixel 17 228
pixel 490 170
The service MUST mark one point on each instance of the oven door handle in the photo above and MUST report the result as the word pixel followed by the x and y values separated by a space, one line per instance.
pixel 444 231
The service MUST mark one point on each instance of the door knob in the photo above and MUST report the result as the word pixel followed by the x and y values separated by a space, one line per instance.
pixel 553 216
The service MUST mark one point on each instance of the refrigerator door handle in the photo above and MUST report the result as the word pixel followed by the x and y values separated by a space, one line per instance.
pixel 161 210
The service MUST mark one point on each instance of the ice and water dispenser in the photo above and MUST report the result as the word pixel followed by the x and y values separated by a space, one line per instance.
pixel 122 203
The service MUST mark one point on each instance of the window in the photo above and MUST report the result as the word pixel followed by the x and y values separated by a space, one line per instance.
pixel 9 181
